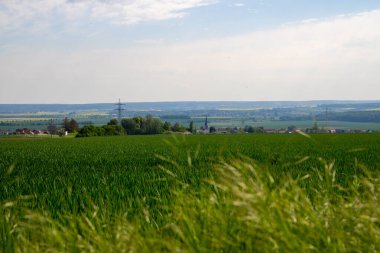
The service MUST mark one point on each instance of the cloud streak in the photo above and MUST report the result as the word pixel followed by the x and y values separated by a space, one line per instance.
pixel 14 13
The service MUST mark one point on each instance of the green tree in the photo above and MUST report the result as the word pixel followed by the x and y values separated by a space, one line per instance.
pixel 140 122
pixel 139 125
pixel 178 128
pixel 52 128
pixel 129 125
pixel 111 130
pixel 88 131
pixel 156 126
pixel 192 127
pixel 249 129
pixel 112 122
pixel 167 126
pixel 66 124
pixel 73 126
pixel 61 132
pixel 258 130
pixel 152 125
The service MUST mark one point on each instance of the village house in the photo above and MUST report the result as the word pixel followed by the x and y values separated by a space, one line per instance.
pixel 270 131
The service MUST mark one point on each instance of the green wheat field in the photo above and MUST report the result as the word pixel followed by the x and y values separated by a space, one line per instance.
pixel 197 193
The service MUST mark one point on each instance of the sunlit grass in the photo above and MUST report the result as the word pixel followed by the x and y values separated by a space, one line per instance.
pixel 191 194
pixel 241 209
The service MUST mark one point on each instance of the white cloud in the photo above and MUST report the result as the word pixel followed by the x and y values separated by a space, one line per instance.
pixel 337 58
pixel 17 12
pixel 239 4
pixel 130 12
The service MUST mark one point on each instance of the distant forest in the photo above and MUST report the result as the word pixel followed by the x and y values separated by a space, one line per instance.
pixel 351 116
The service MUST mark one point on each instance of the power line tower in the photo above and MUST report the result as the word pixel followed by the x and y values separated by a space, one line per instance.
pixel 119 111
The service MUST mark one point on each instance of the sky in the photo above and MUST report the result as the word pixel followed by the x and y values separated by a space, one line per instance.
pixel 95 51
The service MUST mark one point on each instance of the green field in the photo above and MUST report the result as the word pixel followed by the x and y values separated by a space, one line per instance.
pixel 202 193
pixel 218 122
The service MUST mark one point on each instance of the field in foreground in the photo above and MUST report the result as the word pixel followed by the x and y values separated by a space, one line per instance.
pixel 246 193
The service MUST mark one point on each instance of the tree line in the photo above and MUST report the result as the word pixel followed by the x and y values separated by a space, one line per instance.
pixel 350 116
pixel 68 125
pixel 134 126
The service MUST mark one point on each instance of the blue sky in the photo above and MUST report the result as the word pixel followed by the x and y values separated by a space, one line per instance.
pixel 173 50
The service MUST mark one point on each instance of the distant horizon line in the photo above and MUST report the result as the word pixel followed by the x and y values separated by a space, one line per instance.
pixel 203 101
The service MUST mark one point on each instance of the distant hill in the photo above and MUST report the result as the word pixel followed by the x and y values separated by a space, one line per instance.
pixel 186 106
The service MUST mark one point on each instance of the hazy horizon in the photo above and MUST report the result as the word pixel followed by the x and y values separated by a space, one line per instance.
pixel 81 52
pixel 210 101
